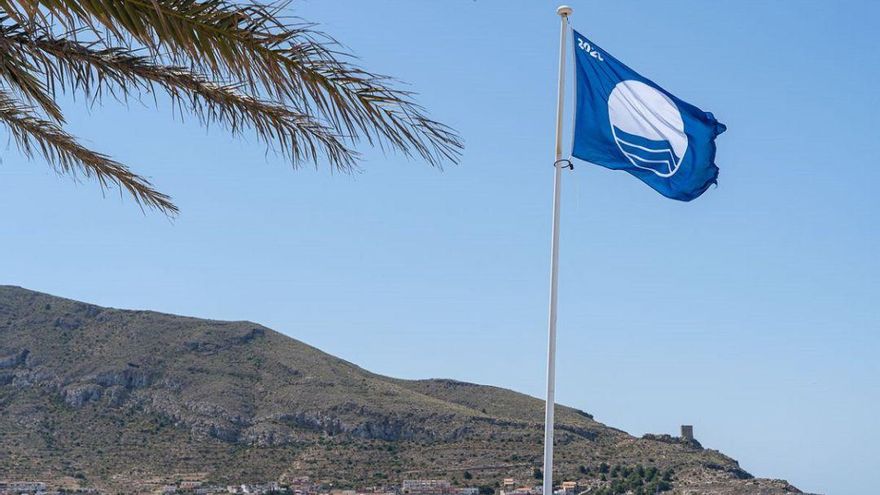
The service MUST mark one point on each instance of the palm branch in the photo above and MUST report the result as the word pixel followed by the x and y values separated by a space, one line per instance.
pixel 243 65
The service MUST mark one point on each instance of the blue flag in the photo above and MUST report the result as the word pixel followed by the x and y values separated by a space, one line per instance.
pixel 624 121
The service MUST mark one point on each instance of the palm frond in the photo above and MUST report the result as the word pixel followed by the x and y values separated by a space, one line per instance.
pixel 18 72
pixel 95 70
pixel 251 42
pixel 240 63
pixel 35 135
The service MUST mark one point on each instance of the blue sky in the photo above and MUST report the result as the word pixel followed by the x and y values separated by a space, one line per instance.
pixel 751 313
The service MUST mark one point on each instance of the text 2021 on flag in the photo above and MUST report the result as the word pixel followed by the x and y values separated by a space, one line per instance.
pixel 624 121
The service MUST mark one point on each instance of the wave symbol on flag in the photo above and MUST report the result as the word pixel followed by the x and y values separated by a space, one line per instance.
pixel 647 127
pixel 656 156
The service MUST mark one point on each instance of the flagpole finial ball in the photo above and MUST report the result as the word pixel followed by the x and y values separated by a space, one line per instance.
pixel 564 10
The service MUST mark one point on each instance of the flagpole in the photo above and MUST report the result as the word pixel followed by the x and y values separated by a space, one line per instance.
pixel 563 12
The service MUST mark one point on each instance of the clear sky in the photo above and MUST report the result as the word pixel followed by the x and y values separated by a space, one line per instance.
pixel 751 313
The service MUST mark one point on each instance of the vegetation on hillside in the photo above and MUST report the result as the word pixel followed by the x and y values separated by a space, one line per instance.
pixel 622 479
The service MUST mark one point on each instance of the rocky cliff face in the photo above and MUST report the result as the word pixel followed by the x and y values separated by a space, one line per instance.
pixel 115 398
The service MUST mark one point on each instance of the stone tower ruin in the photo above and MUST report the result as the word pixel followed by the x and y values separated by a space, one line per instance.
pixel 687 433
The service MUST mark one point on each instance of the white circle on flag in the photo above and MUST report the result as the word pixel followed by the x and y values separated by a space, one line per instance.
pixel 638 109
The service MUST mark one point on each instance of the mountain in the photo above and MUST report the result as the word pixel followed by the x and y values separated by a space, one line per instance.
pixel 124 401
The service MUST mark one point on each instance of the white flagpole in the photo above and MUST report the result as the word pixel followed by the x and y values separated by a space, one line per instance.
pixel 563 11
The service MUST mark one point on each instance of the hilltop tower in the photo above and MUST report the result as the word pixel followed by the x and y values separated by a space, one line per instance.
pixel 687 433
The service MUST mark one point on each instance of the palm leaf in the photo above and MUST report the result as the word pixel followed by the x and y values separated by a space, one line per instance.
pixel 253 43
pixel 93 71
pixel 18 72
pixel 35 135
pixel 244 65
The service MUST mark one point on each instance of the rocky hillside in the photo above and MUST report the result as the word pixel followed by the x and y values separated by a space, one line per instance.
pixel 122 400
